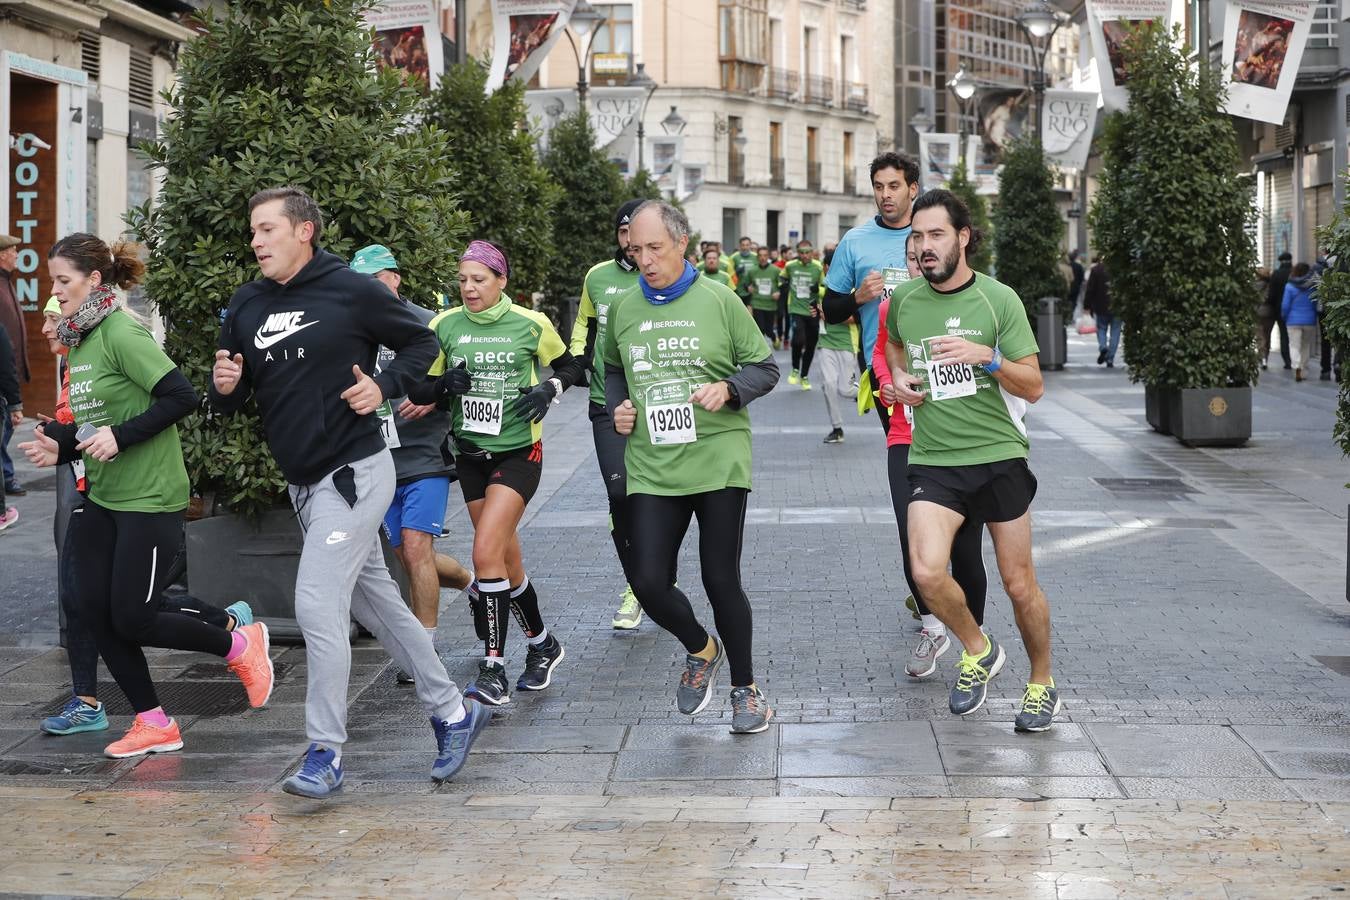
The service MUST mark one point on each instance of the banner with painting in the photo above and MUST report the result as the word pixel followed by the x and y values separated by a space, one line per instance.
pixel 408 38
pixel 1066 128
pixel 1109 21
pixel 1263 43
pixel 523 31
pixel 937 160
pixel 1004 113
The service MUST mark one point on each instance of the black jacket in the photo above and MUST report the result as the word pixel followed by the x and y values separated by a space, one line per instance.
pixel 1275 288
pixel 9 376
pixel 299 341
pixel 1097 292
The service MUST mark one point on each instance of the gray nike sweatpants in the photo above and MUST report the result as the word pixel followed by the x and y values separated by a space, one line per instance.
pixel 342 574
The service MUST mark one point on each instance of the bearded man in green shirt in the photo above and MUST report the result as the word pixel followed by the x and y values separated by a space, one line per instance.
pixel 963 357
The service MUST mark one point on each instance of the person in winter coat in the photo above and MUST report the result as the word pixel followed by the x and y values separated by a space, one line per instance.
pixel 1299 313
pixel 1275 296
pixel 1097 302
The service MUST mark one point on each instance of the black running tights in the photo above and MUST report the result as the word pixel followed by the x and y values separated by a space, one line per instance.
pixel 967 557
pixel 659 525
pixel 121 561
pixel 805 333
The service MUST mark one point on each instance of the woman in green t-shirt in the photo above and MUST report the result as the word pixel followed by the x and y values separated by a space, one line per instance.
pixel 491 351
pixel 125 396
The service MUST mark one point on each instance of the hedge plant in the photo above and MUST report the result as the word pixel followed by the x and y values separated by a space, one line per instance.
pixel 275 93
pixel 1027 225
pixel 1171 222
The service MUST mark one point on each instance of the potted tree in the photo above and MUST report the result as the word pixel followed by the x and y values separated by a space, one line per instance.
pixel 251 110
pixel 1170 221
pixel 1027 234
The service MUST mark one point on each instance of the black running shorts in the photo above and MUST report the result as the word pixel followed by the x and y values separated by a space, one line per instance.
pixel 517 469
pixel 993 492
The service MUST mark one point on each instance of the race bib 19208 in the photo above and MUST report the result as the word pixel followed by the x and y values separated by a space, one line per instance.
pixel 670 414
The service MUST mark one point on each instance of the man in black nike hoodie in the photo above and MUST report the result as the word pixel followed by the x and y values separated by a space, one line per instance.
pixel 301 340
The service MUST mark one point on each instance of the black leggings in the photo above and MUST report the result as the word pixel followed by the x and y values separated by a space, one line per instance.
pixel 805 333
pixel 764 318
pixel 609 449
pixel 659 526
pixel 967 558
pixel 122 560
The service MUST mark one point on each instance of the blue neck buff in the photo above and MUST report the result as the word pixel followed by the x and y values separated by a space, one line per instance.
pixel 674 292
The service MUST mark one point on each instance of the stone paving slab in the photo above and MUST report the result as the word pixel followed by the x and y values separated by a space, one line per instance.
pixel 267 844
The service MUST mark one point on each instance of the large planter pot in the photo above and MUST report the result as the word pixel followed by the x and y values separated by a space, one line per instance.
pixel 1211 417
pixel 230 559
pixel 1158 408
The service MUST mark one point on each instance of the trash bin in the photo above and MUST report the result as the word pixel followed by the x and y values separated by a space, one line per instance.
pixel 1050 334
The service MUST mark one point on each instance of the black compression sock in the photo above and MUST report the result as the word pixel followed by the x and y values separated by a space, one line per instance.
pixel 525 605
pixel 494 603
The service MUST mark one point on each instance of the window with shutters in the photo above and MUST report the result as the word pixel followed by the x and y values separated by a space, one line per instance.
pixel 743 44
pixel 90 53
pixel 142 81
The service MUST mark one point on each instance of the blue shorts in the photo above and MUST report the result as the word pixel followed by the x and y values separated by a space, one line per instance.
pixel 419 505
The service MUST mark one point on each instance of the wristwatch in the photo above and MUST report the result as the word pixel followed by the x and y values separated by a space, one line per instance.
pixel 994 364
pixel 733 395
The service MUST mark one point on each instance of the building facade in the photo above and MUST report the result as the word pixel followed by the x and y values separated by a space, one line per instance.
pixel 80 86
pixel 1297 167
pixel 765 113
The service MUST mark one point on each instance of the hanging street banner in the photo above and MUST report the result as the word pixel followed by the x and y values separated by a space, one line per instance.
pixel 1262 45
pixel 937 160
pixel 1066 129
pixel 612 111
pixel 1109 21
pixel 408 38
pixel 523 31
pixel 1004 113
pixel 981 168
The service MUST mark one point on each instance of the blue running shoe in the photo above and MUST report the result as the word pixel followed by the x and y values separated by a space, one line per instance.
pixel 76 716
pixel 242 612
pixel 453 741
pixel 318 777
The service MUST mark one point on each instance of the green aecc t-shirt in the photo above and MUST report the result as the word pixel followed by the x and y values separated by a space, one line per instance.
pixel 112 373
pixel 985 425
pixel 502 356
pixel 667 352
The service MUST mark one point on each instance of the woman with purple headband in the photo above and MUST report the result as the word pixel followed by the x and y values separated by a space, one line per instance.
pixel 491 353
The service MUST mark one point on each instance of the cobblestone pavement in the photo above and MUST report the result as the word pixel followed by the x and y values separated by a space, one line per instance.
pixel 1200 638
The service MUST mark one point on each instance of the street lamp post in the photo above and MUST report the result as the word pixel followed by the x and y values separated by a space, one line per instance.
pixel 1039 22
pixel 582 22
pixel 963 86
pixel 641 79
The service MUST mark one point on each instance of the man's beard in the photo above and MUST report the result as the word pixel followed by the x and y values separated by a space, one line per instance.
pixel 945 271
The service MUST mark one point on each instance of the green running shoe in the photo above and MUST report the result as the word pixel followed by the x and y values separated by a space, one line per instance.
pixel 629 615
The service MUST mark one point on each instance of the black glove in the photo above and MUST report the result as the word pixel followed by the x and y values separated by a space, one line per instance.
pixel 457 380
pixel 534 401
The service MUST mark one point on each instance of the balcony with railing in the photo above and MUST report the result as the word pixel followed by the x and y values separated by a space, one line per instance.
pixel 819 90
pixel 813 176
pixel 782 83
pixel 855 96
pixel 778 172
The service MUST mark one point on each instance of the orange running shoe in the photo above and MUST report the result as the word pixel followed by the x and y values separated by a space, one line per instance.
pixel 145 738
pixel 254 665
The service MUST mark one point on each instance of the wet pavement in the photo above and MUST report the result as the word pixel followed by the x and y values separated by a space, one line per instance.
pixel 1202 647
